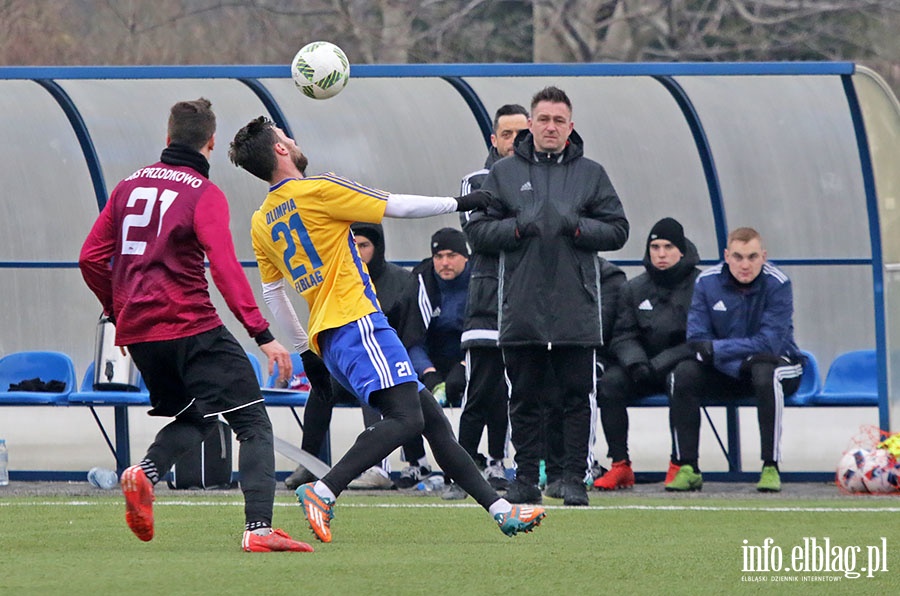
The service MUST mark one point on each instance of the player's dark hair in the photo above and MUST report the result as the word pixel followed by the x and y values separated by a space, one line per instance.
pixel 192 123
pixel 551 94
pixel 509 109
pixel 252 148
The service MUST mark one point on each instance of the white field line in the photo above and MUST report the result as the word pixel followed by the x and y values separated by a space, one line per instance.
pixel 168 503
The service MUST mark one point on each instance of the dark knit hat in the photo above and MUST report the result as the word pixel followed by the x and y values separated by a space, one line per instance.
pixel 668 229
pixel 449 239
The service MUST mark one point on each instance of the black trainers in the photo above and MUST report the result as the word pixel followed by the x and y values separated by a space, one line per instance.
pixel 523 492
pixel 555 490
pixel 412 475
pixel 575 494
pixel 299 477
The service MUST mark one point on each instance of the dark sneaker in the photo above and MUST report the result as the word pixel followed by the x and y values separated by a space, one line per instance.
pixel 597 471
pixel 575 494
pixel 523 492
pixel 299 477
pixel 412 475
pixel 555 490
pixel 495 474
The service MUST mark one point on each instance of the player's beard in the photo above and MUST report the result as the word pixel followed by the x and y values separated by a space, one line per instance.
pixel 300 161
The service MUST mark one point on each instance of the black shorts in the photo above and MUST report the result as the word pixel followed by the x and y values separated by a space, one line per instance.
pixel 205 374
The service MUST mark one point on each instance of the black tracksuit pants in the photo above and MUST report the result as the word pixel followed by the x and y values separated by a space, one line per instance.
pixel 574 369
pixel 692 380
pixel 614 390
pixel 485 403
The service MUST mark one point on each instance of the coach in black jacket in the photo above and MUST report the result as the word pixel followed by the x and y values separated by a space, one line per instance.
pixel 554 210
pixel 648 340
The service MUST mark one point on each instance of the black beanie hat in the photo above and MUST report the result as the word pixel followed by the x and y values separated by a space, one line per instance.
pixel 668 229
pixel 449 239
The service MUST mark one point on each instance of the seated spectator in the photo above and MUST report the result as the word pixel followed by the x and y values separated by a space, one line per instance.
pixel 741 330
pixel 648 339
pixel 443 287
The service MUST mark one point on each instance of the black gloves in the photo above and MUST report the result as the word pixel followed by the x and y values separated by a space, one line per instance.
pixel 526 229
pixel 431 379
pixel 456 383
pixel 640 373
pixel 703 349
pixel 316 372
pixel 478 199
pixel 666 360
pixel 569 227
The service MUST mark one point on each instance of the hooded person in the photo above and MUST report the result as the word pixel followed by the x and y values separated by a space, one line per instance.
pixel 648 339
pixel 392 282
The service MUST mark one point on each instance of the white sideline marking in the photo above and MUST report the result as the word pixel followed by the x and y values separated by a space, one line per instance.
pixel 476 506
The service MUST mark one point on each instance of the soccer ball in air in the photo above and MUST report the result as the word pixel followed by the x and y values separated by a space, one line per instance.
pixel 851 470
pixel 320 70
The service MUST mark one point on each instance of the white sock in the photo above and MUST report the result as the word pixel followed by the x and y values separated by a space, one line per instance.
pixel 322 490
pixel 500 506
pixel 262 531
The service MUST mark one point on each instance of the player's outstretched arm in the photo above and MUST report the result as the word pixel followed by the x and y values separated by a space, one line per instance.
pixel 416 206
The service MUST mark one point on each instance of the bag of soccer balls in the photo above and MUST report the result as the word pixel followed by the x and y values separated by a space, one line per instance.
pixel 874 470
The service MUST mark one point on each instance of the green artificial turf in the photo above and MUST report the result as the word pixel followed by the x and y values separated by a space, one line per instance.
pixel 412 545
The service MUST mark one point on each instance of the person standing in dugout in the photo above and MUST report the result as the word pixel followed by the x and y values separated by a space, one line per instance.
pixel 553 210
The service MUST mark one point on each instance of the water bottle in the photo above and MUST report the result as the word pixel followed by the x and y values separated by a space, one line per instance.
pixel 103 478
pixel 4 463
pixel 433 483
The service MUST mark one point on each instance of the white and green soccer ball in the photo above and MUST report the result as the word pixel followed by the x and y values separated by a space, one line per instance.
pixel 320 70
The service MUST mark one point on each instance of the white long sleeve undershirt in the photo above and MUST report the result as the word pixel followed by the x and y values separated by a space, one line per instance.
pixel 277 300
pixel 415 206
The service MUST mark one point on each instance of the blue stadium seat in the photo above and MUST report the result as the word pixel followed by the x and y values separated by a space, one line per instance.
pixel 87 395
pixel 296 363
pixel 810 383
pixel 852 381
pixel 43 365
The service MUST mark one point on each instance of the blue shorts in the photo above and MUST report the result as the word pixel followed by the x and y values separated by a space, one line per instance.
pixel 366 355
